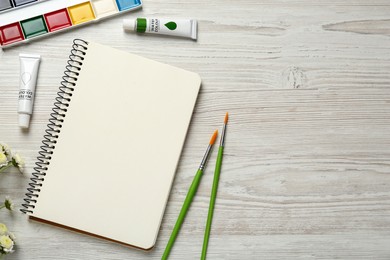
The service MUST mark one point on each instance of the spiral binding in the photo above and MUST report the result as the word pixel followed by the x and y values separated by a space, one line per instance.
pixel 56 120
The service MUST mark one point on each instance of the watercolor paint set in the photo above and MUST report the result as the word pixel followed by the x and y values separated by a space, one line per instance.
pixel 24 20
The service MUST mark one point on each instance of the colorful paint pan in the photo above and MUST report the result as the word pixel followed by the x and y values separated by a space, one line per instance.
pixel 5 4
pixel 22 20
pixel 11 33
pixel 34 26
pixel 57 20
pixel 104 8
pixel 22 2
pixel 127 4
pixel 81 13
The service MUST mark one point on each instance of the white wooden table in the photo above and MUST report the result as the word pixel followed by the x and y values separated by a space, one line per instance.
pixel 306 172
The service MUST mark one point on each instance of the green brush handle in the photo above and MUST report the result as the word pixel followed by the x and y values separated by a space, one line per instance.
pixel 212 202
pixel 183 212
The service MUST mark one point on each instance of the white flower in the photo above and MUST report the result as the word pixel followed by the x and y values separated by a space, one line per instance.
pixel 7 240
pixel 7 243
pixel 8 203
pixel 6 149
pixel 3 229
pixel 3 159
pixel 12 236
pixel 18 162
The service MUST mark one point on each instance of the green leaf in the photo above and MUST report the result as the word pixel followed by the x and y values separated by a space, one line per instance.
pixel 171 25
pixel 14 163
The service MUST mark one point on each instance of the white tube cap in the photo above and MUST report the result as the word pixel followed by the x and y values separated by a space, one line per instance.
pixel 129 24
pixel 24 120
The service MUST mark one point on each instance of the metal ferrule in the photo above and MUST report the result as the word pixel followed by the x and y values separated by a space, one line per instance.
pixel 222 141
pixel 205 157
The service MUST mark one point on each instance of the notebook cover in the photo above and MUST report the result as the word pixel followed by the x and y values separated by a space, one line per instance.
pixel 116 155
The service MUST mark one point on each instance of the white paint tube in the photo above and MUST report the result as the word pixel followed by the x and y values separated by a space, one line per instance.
pixel 175 27
pixel 29 64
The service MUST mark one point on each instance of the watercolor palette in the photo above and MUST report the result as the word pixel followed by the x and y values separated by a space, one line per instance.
pixel 23 20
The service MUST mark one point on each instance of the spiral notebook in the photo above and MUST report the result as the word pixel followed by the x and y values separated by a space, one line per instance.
pixel 112 145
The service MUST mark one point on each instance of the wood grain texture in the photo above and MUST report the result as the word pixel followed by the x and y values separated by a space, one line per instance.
pixel 306 172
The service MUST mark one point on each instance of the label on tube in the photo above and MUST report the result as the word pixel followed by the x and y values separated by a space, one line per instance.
pixel 175 27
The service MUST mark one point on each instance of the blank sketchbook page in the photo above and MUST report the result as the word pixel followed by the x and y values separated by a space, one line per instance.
pixel 117 152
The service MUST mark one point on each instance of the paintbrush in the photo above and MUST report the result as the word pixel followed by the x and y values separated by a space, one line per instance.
pixel 189 197
pixel 214 189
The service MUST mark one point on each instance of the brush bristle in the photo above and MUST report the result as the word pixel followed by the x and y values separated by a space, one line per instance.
pixel 214 137
pixel 226 118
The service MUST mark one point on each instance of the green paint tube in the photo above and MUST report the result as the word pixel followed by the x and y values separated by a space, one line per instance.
pixel 174 27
